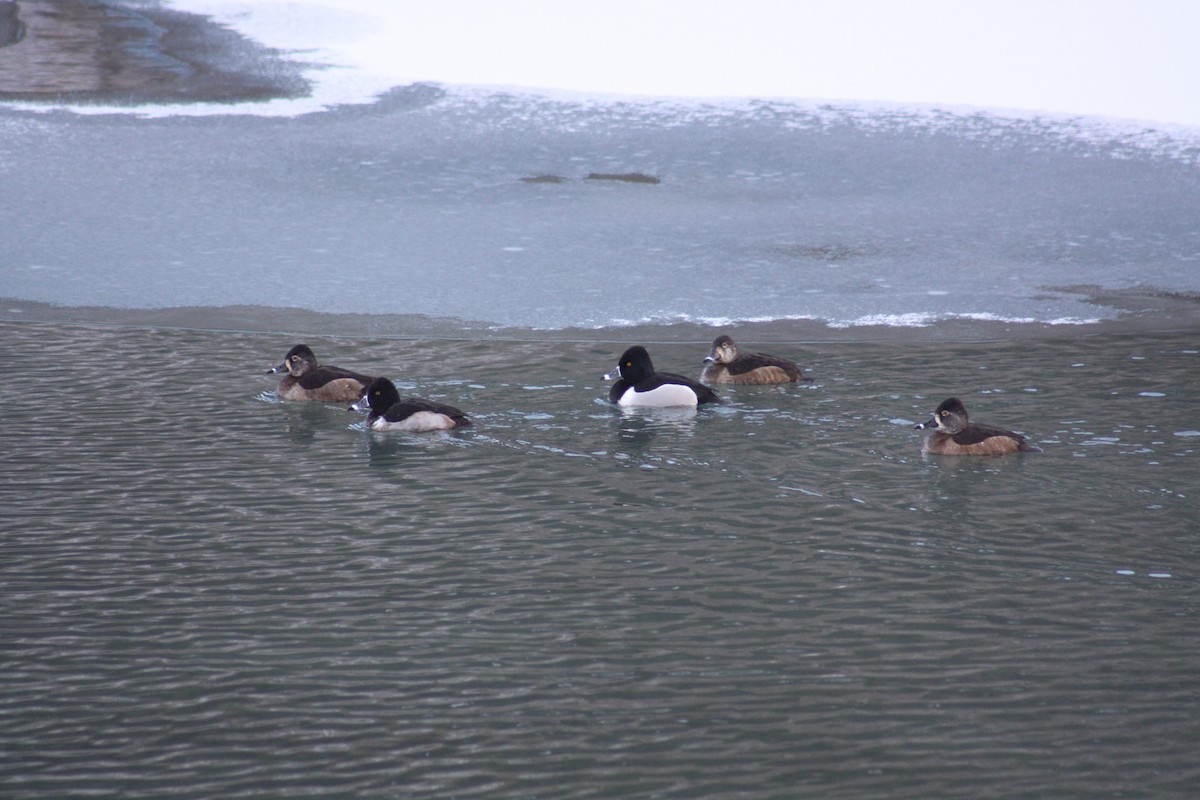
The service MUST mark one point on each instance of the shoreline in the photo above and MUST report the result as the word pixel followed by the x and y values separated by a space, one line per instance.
pixel 1143 314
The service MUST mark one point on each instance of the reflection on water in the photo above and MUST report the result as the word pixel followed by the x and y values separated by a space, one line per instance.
pixel 207 592
pixel 640 426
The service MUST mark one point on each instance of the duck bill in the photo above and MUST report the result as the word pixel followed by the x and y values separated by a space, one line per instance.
pixel 361 405
pixel 929 423
pixel 278 369
pixel 612 376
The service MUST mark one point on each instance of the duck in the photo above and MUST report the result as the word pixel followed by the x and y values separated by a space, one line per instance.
pixel 309 380
pixel 639 385
pixel 725 364
pixel 413 415
pixel 955 435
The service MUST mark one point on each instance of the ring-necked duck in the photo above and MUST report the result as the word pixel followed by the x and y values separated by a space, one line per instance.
pixel 954 435
pixel 308 380
pixel 640 385
pixel 414 415
pixel 724 364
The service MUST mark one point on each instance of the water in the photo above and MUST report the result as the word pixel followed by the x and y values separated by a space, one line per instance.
pixel 211 593
pixel 205 592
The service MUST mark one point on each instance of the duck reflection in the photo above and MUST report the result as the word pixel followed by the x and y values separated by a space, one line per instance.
pixel 961 490
pixel 301 422
pixel 386 449
pixel 640 426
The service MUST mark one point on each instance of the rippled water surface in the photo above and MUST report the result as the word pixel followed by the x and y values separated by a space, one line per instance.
pixel 209 593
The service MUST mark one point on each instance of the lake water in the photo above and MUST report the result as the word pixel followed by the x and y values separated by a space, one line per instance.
pixel 205 592
pixel 208 592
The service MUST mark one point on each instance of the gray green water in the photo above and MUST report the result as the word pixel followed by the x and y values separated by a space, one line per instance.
pixel 207 593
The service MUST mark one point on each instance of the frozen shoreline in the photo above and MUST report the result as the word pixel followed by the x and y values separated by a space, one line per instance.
pixel 1140 314
pixel 420 207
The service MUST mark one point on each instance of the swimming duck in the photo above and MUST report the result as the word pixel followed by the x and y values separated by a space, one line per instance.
pixel 308 380
pixel 414 415
pixel 954 435
pixel 724 364
pixel 640 385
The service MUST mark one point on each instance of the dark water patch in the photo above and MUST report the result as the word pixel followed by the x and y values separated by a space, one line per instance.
pixel 623 177
pixel 833 252
pixel 619 177
pixel 545 179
